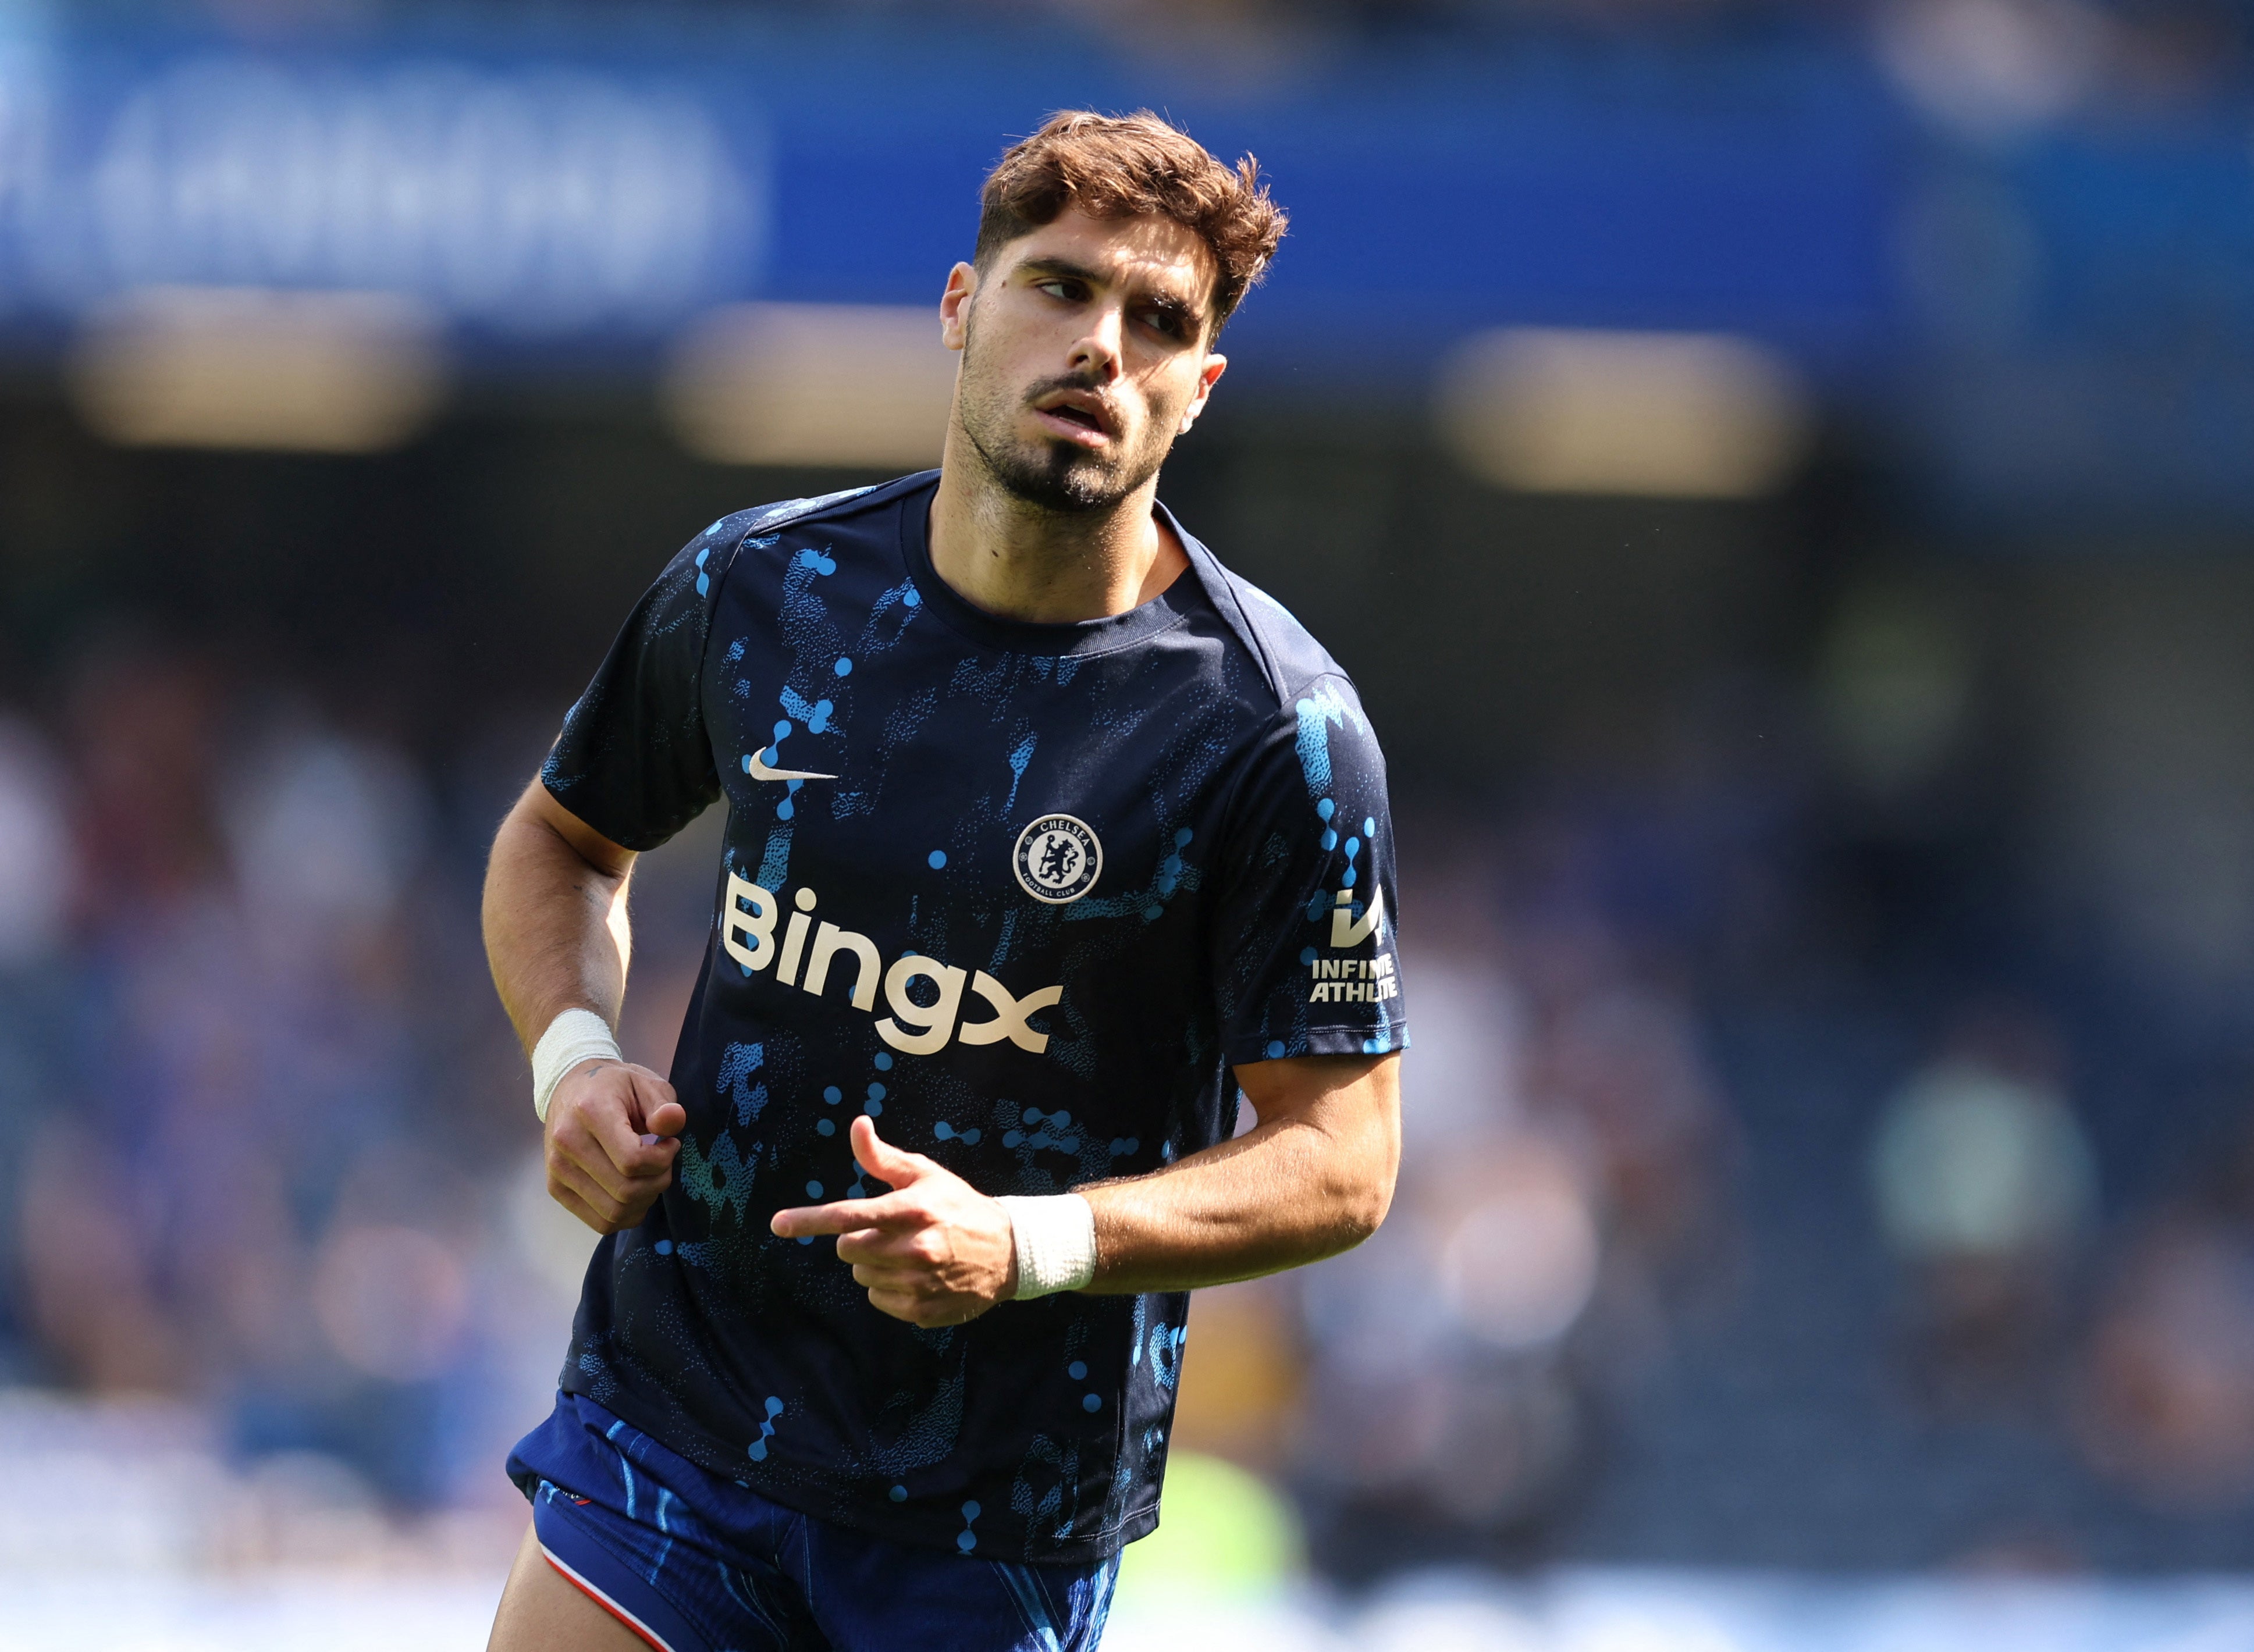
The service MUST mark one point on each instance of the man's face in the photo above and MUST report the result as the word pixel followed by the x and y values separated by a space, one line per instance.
pixel 1083 355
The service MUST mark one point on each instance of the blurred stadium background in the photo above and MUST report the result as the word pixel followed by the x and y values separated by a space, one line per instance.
pixel 1781 476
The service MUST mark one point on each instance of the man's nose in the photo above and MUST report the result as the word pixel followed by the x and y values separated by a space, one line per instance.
pixel 1096 351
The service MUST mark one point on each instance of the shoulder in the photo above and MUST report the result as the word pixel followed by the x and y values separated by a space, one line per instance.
pixel 1295 667
pixel 767 519
pixel 760 526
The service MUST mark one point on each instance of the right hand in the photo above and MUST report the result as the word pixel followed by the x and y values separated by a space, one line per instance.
pixel 599 1168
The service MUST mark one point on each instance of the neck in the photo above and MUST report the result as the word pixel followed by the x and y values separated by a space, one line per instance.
pixel 1019 561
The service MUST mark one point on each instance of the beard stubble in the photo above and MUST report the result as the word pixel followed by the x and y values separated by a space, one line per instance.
pixel 1052 476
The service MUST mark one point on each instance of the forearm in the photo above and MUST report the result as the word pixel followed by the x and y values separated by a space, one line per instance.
pixel 555 914
pixel 1312 1179
pixel 1305 1184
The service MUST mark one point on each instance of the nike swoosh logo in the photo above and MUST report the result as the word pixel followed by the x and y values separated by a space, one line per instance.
pixel 760 771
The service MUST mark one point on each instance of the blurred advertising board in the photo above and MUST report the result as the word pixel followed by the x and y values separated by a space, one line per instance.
pixel 576 193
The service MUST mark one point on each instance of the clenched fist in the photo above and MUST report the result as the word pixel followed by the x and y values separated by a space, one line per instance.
pixel 614 1131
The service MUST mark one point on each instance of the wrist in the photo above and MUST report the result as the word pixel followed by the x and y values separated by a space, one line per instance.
pixel 1054 1239
pixel 573 1038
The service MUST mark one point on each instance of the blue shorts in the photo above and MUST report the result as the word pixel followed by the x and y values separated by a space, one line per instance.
pixel 692 1562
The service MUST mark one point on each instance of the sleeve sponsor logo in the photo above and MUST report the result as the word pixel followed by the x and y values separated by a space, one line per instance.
pixel 1058 859
pixel 1347 930
pixel 748 914
pixel 1353 980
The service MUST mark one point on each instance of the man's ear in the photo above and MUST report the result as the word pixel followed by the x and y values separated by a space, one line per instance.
pixel 955 303
pixel 1208 376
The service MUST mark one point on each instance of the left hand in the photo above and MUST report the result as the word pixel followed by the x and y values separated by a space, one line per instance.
pixel 933 1252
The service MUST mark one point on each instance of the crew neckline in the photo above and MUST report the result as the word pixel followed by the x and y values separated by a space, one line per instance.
pixel 1068 637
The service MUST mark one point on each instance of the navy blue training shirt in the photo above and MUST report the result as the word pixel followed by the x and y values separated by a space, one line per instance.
pixel 1023 894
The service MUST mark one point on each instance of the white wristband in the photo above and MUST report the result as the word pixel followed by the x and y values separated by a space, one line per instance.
pixel 572 1037
pixel 1056 1238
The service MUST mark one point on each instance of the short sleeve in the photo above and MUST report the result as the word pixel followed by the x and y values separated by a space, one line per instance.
pixel 1304 959
pixel 633 760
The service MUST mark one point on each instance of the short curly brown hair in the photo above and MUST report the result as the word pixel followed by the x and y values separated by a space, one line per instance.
pixel 1126 167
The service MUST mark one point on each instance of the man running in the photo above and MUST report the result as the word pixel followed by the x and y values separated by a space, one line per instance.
pixel 1046 836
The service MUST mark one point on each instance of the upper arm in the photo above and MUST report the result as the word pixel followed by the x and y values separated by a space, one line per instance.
pixel 538 808
pixel 1303 1087
pixel 1354 1100
pixel 634 762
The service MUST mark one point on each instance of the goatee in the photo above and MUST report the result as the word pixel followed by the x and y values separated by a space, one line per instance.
pixel 1056 476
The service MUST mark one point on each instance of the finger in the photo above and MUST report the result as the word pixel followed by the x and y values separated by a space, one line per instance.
pixel 898 1303
pixel 574 1146
pixel 844 1215
pixel 656 1111
pixel 566 1178
pixel 886 1163
pixel 887 1247
pixel 599 1182
pixel 579 1207
pixel 620 1139
pixel 900 1281
pixel 931 1312
pixel 612 1212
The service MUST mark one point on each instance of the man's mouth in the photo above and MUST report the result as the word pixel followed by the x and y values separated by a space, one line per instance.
pixel 1075 417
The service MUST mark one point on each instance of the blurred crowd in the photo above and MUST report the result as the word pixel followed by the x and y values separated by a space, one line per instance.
pixel 1574 1206
pixel 255 1074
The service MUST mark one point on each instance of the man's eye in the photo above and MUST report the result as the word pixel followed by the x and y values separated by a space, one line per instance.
pixel 1066 290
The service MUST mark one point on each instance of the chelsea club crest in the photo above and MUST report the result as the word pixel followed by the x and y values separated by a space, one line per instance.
pixel 1058 859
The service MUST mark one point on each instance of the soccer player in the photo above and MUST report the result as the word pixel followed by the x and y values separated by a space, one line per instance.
pixel 1046 836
